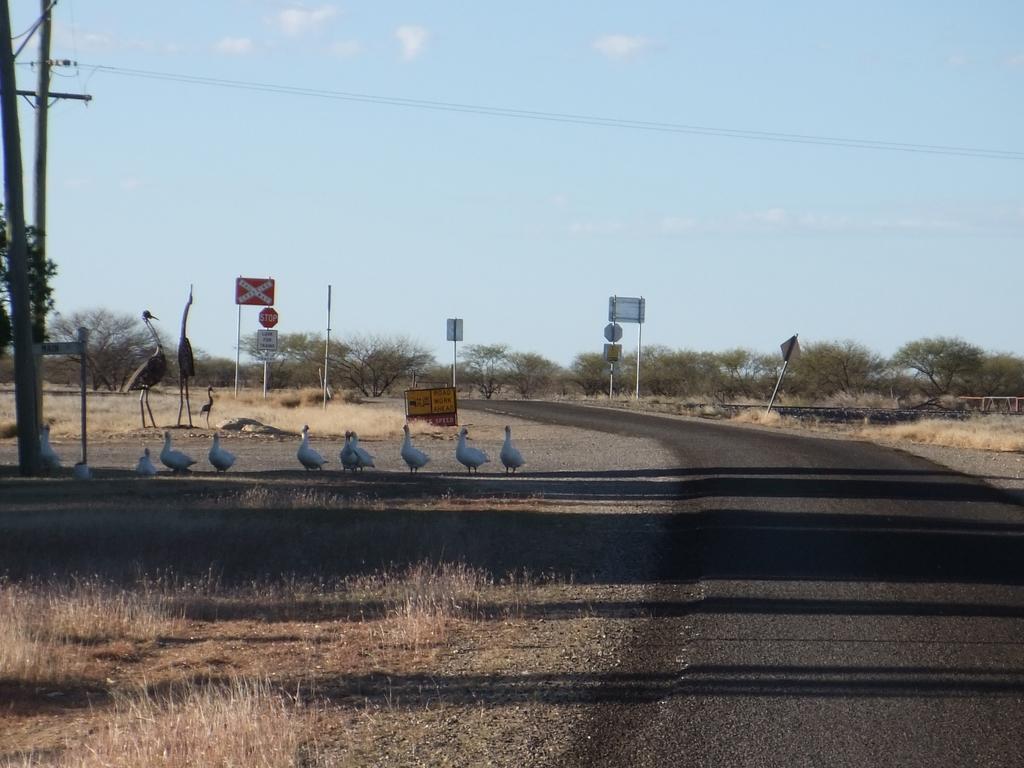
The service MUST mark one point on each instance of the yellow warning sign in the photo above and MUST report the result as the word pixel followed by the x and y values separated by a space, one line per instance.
pixel 438 406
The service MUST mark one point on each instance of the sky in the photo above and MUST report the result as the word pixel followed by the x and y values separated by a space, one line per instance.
pixel 524 226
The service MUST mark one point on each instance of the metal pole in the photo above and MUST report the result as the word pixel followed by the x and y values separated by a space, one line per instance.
pixel 327 344
pixel 611 378
pixel 266 363
pixel 29 462
pixel 455 360
pixel 785 364
pixel 238 347
pixel 639 341
pixel 83 339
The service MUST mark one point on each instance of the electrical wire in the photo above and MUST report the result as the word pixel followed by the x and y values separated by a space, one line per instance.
pixel 562 117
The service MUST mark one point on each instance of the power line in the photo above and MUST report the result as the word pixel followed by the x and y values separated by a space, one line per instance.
pixel 562 117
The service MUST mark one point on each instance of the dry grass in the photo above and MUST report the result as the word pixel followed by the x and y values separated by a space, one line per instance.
pixel 112 415
pixel 760 416
pixel 41 624
pixel 241 723
pixel 983 433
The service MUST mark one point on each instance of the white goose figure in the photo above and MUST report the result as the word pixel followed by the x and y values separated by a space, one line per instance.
pixel 510 455
pixel 348 456
pixel 172 459
pixel 364 456
pixel 308 457
pixel 145 466
pixel 49 456
pixel 467 455
pixel 220 458
pixel 412 455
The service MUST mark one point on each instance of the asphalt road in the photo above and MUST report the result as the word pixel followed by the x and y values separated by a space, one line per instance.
pixel 856 606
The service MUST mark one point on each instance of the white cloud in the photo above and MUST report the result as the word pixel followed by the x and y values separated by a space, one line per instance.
pixel 621 46
pixel 130 184
pixel 1016 60
pixel 234 46
pixel 958 60
pixel 345 49
pixel 676 225
pixel 413 39
pixel 298 21
pixel 596 227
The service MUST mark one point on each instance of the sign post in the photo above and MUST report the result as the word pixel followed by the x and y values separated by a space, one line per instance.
pixel 454 328
pixel 790 351
pixel 439 406
pixel 627 309
pixel 612 355
pixel 258 291
pixel 266 347
pixel 81 471
pixel 327 344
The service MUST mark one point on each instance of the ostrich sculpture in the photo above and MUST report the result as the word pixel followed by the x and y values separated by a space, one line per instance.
pixel 186 363
pixel 151 372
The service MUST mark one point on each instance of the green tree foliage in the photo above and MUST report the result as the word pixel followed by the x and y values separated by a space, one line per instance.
pixel 531 374
pixel 487 367
pixel 941 365
pixel 589 372
pixel 299 361
pixel 745 375
pixel 1000 375
pixel 40 271
pixel 666 372
pixel 829 368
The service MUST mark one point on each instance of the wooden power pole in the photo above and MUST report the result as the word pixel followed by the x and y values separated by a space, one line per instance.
pixel 17 258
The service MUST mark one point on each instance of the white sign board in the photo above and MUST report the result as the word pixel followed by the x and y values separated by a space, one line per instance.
pixel 454 329
pixel 626 309
pixel 59 348
pixel 266 342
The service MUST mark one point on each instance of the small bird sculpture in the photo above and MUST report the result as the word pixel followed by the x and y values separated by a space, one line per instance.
pixel 510 455
pixel 207 406
pixel 348 456
pixel 48 456
pixel 467 455
pixel 412 455
pixel 220 458
pixel 145 466
pixel 151 372
pixel 364 456
pixel 173 459
pixel 308 457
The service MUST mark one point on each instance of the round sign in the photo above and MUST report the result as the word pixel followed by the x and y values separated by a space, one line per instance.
pixel 613 332
pixel 268 317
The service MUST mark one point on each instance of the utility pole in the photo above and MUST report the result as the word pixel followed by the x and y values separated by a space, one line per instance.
pixel 42 104
pixel 17 257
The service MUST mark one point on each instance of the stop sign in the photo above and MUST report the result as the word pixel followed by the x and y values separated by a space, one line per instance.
pixel 268 317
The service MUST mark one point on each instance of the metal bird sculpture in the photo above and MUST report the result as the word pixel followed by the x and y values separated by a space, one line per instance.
pixel 207 406
pixel 150 373
pixel 186 363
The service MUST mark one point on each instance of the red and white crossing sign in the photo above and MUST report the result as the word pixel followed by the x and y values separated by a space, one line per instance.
pixel 255 290
pixel 268 317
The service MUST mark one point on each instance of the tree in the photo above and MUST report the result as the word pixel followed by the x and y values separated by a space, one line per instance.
pixel 1000 375
pixel 589 372
pixel 40 271
pixel 299 361
pixel 118 344
pixel 829 368
pixel 942 365
pixel 530 373
pixel 742 373
pixel 373 363
pixel 487 367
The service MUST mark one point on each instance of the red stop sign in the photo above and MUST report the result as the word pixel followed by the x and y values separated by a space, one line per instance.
pixel 268 317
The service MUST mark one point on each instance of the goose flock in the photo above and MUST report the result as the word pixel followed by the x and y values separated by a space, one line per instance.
pixel 353 457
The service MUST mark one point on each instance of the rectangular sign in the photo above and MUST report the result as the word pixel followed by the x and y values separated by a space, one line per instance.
pixel 257 291
pixel 58 348
pixel 612 353
pixel 626 309
pixel 438 406
pixel 266 341
pixel 454 329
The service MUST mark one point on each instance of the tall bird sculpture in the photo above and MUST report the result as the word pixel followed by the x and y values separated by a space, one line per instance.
pixel 186 363
pixel 151 372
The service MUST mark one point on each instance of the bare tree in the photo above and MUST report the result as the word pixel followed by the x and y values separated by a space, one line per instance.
pixel 372 364
pixel 118 343
pixel 487 367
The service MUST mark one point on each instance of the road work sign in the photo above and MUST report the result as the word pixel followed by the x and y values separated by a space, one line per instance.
pixel 439 406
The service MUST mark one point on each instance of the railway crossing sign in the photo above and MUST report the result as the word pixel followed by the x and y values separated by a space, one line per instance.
pixel 255 290
pixel 268 317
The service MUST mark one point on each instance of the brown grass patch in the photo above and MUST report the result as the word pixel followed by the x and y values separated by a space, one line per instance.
pixel 985 433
